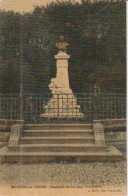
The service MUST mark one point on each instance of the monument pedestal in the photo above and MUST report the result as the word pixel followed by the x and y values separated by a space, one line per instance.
pixel 63 104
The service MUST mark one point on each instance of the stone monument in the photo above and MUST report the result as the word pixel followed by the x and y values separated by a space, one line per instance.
pixel 63 103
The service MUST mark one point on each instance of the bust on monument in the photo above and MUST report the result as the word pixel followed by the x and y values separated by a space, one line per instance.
pixel 62 45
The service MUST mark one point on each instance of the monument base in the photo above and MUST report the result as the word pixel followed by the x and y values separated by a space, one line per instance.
pixel 62 106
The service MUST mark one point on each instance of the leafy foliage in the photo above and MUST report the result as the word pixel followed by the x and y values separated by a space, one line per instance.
pixel 95 32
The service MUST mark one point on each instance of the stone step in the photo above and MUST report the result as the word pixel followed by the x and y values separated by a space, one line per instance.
pixel 59 148
pixel 58 133
pixel 58 126
pixel 112 154
pixel 57 140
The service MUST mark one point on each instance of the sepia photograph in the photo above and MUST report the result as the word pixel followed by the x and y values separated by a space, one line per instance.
pixel 63 98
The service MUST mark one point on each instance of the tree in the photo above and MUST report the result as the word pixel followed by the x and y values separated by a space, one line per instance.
pixel 95 32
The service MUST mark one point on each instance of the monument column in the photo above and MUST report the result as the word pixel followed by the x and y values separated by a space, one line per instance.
pixel 60 84
pixel 62 68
